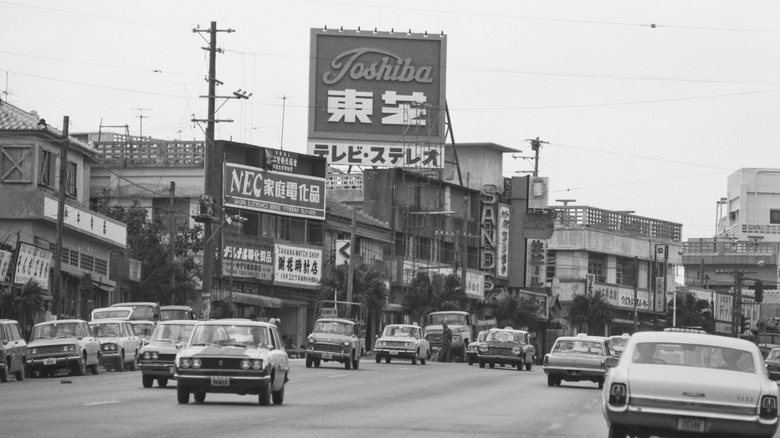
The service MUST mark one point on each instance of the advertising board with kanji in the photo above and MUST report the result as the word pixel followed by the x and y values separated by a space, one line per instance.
pixel 375 90
pixel 247 257
pixel 286 194
pixel 32 263
pixel 297 266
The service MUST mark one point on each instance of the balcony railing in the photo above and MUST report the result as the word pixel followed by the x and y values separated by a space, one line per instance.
pixel 156 153
pixel 753 229
pixel 728 247
pixel 617 221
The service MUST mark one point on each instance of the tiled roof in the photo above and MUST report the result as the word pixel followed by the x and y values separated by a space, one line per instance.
pixel 342 210
pixel 14 119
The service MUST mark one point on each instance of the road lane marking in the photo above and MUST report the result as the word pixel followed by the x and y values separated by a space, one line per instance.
pixel 338 375
pixel 102 403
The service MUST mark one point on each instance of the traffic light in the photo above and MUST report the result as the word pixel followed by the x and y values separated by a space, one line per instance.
pixel 744 323
pixel 759 288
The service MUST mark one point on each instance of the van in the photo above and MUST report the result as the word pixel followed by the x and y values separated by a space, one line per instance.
pixel 123 313
pixel 143 310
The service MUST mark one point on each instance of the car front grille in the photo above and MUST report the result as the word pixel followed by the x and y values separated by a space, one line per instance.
pixel 51 350
pixel 394 344
pixel 500 351
pixel 328 348
pixel 220 363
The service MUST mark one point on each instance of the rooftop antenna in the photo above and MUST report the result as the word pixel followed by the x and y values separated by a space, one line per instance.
pixel 284 103
pixel 141 120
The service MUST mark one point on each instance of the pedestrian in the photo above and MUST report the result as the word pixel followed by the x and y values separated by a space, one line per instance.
pixel 446 342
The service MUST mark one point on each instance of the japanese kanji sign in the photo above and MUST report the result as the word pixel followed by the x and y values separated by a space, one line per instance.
pixel 377 98
pixel 281 193
pixel 34 263
pixel 297 265
pixel 247 257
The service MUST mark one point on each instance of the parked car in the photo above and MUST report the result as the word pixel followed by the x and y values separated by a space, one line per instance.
pixel 157 357
pixel 177 312
pixel 62 344
pixel 402 341
pixel 119 345
pixel 507 346
pixel 577 358
pixel 618 343
pixel 13 350
pixel 333 339
pixel 143 329
pixel 772 363
pixel 675 383
pixel 233 356
pixel 472 351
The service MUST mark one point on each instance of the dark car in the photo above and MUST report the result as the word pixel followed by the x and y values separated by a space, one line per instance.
pixel 233 356
pixel 177 312
pixel 13 350
pixel 157 357
pixel 507 347
pixel 772 363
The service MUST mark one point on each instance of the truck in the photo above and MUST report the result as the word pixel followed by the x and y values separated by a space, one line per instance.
pixel 462 332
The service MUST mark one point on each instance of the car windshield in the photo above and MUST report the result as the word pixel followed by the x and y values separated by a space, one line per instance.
pixel 143 312
pixel 481 336
pixel 504 337
pixel 333 327
pixel 619 342
pixel 449 318
pixel 231 335
pixel 396 330
pixel 694 355
pixel 54 330
pixel 578 346
pixel 171 314
pixel 105 329
pixel 143 329
pixel 173 333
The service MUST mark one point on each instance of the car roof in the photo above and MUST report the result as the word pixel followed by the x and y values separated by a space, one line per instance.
pixel 336 320
pixel 403 325
pixel 460 312
pixel 109 320
pixel 55 321
pixel 234 321
pixel 175 307
pixel 175 321
pixel 582 338
pixel 507 330
pixel 692 338
pixel 8 321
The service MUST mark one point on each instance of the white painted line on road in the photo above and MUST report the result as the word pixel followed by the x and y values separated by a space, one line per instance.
pixel 338 375
pixel 102 403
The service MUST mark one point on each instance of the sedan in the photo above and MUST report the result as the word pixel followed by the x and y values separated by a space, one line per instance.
pixel 156 359
pixel 577 358
pixel 62 344
pixel 235 357
pixel 676 383
pixel 772 363
pixel 402 341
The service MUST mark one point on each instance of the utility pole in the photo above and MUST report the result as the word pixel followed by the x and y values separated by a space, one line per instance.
pixel 281 141
pixel 536 144
pixel 209 164
pixel 141 120
pixel 351 264
pixel 636 287
pixel 57 265
pixel 172 238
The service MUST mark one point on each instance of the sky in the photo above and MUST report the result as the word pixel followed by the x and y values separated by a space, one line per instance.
pixel 643 106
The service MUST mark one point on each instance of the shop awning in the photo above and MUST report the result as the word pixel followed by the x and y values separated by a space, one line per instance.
pixel 245 298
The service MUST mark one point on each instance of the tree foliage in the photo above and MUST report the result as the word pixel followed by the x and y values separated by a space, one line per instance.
pixel 591 309
pixel 434 293
pixel 691 312
pixel 368 286
pixel 25 304
pixel 510 310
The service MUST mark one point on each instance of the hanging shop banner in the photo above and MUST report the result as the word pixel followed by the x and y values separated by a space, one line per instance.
pixel 286 194
pixel 475 285
pixel 87 222
pixel 5 262
pixel 297 266
pixel 32 263
pixel 502 241
pixel 281 161
pixel 377 98
pixel 246 256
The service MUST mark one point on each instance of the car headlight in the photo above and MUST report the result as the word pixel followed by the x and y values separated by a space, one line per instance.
pixel 71 347
pixel 483 348
pixel 346 342
pixel 184 362
pixel 456 338
pixel 245 364
pixel 310 340
pixel 196 363
pixel 517 350
pixel 257 364
pixel 108 347
pixel 34 351
pixel 380 343
pixel 151 355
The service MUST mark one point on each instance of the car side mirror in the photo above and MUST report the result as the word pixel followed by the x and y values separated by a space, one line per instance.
pixel 611 361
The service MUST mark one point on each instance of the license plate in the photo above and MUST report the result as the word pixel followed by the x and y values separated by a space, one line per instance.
pixel 327 356
pixel 50 361
pixel 393 353
pixel 574 373
pixel 220 381
pixel 689 424
pixel 172 370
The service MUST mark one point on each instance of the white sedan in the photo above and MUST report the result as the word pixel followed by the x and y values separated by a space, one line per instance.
pixel 672 383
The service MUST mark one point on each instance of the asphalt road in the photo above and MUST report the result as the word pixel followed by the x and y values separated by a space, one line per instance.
pixel 383 400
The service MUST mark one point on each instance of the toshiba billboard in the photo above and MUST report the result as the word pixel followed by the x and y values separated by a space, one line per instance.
pixel 377 98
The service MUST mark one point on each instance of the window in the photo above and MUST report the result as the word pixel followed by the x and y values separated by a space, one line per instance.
pixel 47 169
pixel 15 164
pixel 597 264
pixel 71 175
pixel 423 248
pixel 774 216
pixel 87 262
pixel 551 262
pixel 625 272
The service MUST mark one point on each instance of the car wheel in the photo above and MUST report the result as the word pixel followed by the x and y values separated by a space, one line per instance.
pixel 528 366
pixel 20 375
pixel 414 358
pixel 462 353
pixel 356 363
pixel 557 381
pixel 200 396
pixel 481 363
pixel 317 363
pixel 378 358
pixel 308 361
pixel 134 363
pixel 617 431
pixel 550 380
pixel 492 364
pixel 120 363
pixel 278 396
pixel 4 374
pixel 601 383
pixel 387 359
pixel 183 394
pixel 348 364
pixel 81 367
pixel 470 360
pixel 162 382
pixel 29 372
pixel 265 395
pixel 147 381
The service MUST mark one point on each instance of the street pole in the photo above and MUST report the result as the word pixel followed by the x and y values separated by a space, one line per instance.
pixel 57 262
pixel 636 287
pixel 172 238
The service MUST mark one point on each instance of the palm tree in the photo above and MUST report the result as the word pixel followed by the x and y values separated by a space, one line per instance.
pixel 510 310
pixel 25 304
pixel 434 293
pixel 591 309
pixel 691 312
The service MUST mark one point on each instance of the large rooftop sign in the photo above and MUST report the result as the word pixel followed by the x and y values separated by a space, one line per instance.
pixel 377 98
